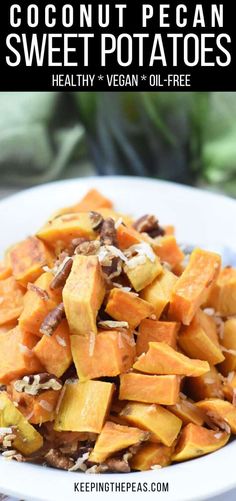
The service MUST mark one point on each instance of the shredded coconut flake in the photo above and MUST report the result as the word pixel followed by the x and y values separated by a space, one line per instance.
pixel 226 350
pixel 80 463
pixel 209 311
pixel 24 349
pixel 61 341
pixel 92 340
pixel 218 435
pixel 5 431
pixel 156 467
pixel 46 405
pixel 9 454
pixel 110 324
pixel 118 222
pixel 230 376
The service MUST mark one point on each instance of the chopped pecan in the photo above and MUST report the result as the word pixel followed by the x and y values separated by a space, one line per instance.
pixel 114 269
pixel 149 224
pixel 52 320
pixel 58 460
pixel 88 248
pixel 119 465
pixel 108 235
pixel 74 243
pixel 60 278
pixel 96 220
pixel 41 292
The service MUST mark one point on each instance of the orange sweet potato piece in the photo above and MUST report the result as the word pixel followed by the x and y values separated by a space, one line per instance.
pixel 192 286
pixel 93 200
pixel 209 385
pixel 5 269
pixel 219 411
pixel 151 389
pixel 158 293
pixel 114 438
pixel 8 326
pixel 37 409
pixel 28 258
pixel 112 352
pixel 122 305
pixel 35 308
pixel 16 356
pixel 196 441
pixel 169 229
pixel 54 352
pixel 11 302
pixel 188 412
pixel 229 387
pixel 127 236
pixel 154 330
pixel 222 296
pixel 143 274
pixel 162 359
pixel 150 455
pixel 229 343
pixel 168 250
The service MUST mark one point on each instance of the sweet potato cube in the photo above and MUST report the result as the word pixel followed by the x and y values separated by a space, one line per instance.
pixel 168 250
pixel 108 355
pixel 192 286
pixel 143 274
pixel 196 441
pixel 114 438
pixel 222 296
pixel 27 440
pixel 93 200
pixel 201 343
pixel 16 356
pixel 54 352
pixel 219 410
pixel 84 406
pixel 162 359
pixel 209 385
pixel 8 327
pixel 154 330
pixel 127 236
pixel 28 258
pixel 158 293
pixel 5 269
pixel 83 295
pixel 37 409
pixel 229 343
pixel 151 389
pixel 229 387
pixel 161 423
pixel 35 307
pixel 59 232
pixel 188 412
pixel 150 455
pixel 126 305
pixel 11 302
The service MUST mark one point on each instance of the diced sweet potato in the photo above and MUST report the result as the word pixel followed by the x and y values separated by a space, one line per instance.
pixel 11 300
pixel 209 385
pixel 114 438
pixel 222 296
pixel 201 343
pixel 188 412
pixel 162 359
pixel 151 389
pixel 143 274
pixel 35 307
pixel 150 455
pixel 158 293
pixel 169 229
pixel 161 423
pixel 229 343
pixel 154 330
pixel 229 387
pixel 196 441
pixel 28 258
pixel 168 250
pixel 27 440
pixel 5 269
pixel 126 305
pixel 59 232
pixel 84 406
pixel 108 355
pixel 8 327
pixel 16 356
pixel 219 411
pixel 91 201
pixel 192 286
pixel 54 352
pixel 37 409
pixel 127 236
pixel 83 295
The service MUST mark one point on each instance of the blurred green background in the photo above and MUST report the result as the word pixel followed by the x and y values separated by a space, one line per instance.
pixel 185 137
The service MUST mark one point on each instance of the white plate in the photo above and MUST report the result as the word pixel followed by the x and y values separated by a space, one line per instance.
pixel 200 218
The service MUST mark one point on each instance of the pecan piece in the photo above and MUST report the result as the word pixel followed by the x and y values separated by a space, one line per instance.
pixel 41 292
pixel 60 278
pixel 52 320
pixel 58 460
pixel 149 224
pixel 114 269
pixel 108 234
pixel 118 465
pixel 88 248
pixel 96 220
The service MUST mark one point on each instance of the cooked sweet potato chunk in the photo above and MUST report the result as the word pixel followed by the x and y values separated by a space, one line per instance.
pixel 114 438
pixel 28 258
pixel 83 295
pixel 5 269
pixel 161 423
pixel 54 352
pixel 122 304
pixel 168 250
pixel 16 356
pixel 158 293
pixel 229 388
pixel 37 409
pixel 127 236
pixel 219 411
pixel 196 441
pixel 162 359
pixel 229 343
pixel 91 201
pixel 151 389
pixel 143 274
pixel 154 330
pixel 11 303
pixel 192 287
pixel 188 412
pixel 107 355
pixel 222 296
pixel 151 455
pixel 209 385
pixel 84 406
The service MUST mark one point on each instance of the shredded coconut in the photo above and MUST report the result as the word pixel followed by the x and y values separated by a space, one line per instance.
pixel 226 350
pixel 46 405
pixel 118 222
pixel 92 340
pixel 80 463
pixel 24 349
pixel 9 454
pixel 218 435
pixel 156 467
pixel 110 324
pixel 5 431
pixel 61 341
pixel 230 376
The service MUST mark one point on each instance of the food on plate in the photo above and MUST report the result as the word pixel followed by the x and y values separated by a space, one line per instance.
pixel 117 348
